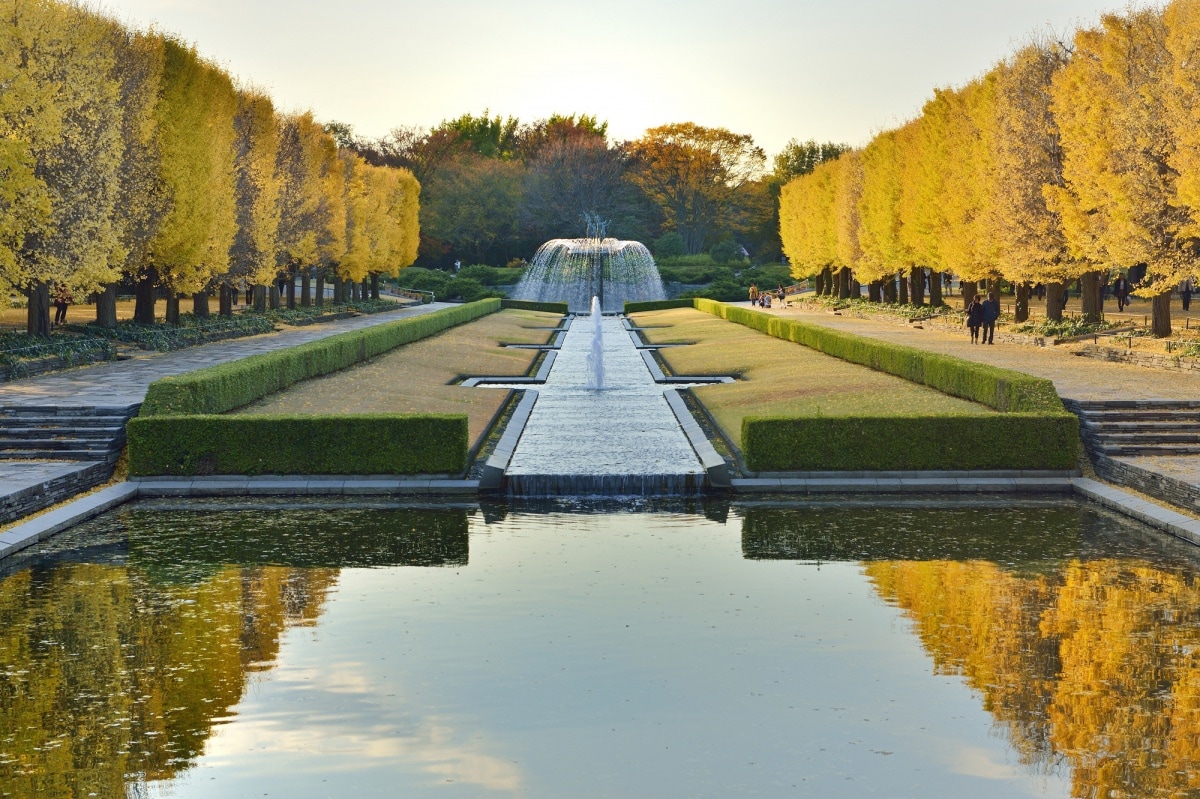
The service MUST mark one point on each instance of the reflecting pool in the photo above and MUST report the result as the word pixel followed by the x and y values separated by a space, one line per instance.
pixel 759 648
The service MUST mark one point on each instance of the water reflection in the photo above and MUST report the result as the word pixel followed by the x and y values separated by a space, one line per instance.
pixel 1084 659
pixel 572 649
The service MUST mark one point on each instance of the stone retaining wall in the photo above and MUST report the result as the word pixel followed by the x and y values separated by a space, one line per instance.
pixel 1160 486
pixel 1140 358
pixel 74 481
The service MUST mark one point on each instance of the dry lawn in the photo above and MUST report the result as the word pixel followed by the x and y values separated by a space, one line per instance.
pixel 419 377
pixel 779 378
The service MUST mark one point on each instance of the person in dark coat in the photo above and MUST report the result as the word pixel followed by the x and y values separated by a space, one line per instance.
pixel 991 312
pixel 975 317
pixel 1120 290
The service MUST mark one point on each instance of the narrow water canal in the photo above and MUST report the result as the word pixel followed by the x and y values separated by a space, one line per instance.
pixel 620 439
pixel 1042 649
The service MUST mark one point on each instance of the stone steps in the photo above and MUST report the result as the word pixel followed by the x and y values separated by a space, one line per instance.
pixel 49 432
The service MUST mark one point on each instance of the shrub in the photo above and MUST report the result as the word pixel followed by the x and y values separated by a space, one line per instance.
pixel 1001 389
pixel 726 251
pixel 530 305
pixel 467 290
pixel 891 443
pixel 416 277
pixel 656 305
pixel 669 245
pixel 481 273
pixel 362 444
pixel 221 388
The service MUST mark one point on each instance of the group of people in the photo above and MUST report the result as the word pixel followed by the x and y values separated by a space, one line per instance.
pixel 981 318
pixel 763 299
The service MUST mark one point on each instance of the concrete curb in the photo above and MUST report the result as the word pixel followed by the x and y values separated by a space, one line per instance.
pixel 46 525
pixel 714 465
pixel 492 479
pixel 81 510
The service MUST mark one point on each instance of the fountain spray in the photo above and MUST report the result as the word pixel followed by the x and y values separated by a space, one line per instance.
pixel 595 358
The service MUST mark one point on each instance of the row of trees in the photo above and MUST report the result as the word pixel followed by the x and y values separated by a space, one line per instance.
pixel 126 157
pixel 1062 163
pixel 496 188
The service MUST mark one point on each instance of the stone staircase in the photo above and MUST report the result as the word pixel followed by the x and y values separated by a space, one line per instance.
pixel 1129 428
pixel 51 432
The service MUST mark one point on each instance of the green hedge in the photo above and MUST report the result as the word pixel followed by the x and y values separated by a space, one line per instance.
pixel 657 305
pixel 218 389
pixel 360 444
pixel 1002 389
pixel 897 443
pixel 530 305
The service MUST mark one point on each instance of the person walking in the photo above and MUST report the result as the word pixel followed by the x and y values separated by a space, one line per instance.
pixel 1185 292
pixel 753 294
pixel 1120 290
pixel 975 317
pixel 991 312
pixel 62 299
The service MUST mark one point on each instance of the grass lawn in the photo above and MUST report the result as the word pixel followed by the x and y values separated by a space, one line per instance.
pixel 417 378
pixel 779 378
pixel 15 318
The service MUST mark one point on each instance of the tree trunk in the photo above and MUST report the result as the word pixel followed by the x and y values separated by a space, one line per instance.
pixel 250 293
pixel 106 307
pixel 37 318
pixel 843 276
pixel 290 288
pixel 1093 306
pixel 273 296
pixel 819 283
pixel 1021 312
pixel 374 285
pixel 200 307
pixel 855 288
pixel 305 287
pixel 903 285
pixel 1054 301
pixel 1160 321
pixel 874 293
pixel 337 290
pixel 888 284
pixel 320 289
pixel 827 276
pixel 260 298
pixel 918 285
pixel 144 297
pixel 225 299
pixel 969 289
pixel 172 308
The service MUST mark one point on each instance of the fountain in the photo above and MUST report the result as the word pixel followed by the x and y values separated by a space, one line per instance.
pixel 575 270
pixel 595 359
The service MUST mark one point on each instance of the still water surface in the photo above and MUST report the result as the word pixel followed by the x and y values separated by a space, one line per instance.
pixel 759 649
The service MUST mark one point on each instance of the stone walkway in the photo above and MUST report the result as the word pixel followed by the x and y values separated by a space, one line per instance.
pixel 117 383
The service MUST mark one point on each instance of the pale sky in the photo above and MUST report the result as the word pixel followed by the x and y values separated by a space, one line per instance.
pixel 776 69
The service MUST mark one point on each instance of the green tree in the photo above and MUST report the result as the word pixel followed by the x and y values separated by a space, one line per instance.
pixel 694 174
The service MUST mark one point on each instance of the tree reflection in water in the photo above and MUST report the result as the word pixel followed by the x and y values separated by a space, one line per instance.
pixel 1084 659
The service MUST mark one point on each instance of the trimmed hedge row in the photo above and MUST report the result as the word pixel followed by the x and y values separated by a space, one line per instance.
pixel 1002 389
pixel 362 444
pixel 657 305
pixel 901 443
pixel 531 305
pixel 221 388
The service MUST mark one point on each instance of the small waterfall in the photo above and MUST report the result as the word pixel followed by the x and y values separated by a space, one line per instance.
pixel 595 358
